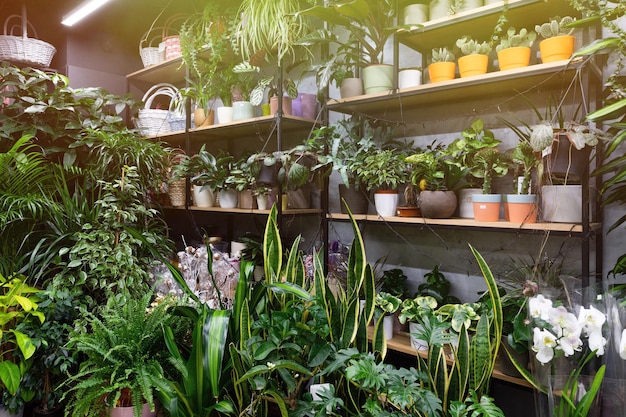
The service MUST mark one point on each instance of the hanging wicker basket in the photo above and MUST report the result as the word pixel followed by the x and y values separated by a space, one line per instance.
pixel 151 55
pixel 171 39
pixel 22 49
pixel 153 122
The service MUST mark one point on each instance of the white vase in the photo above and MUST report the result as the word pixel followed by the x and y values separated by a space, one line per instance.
pixel 241 110
pixel 386 202
pixel 388 326
pixel 261 201
pixel 224 114
pixel 466 207
pixel 227 198
pixel 439 9
pixel 351 87
pixel 562 203
pixel 203 197
pixel 415 14
pixel 416 342
pixel 236 248
pixel 409 77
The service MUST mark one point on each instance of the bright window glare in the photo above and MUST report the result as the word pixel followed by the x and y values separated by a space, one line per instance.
pixel 82 11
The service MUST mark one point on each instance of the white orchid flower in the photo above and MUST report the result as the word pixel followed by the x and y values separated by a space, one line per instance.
pixel 597 342
pixel 539 306
pixel 563 322
pixel 544 343
pixel 591 319
pixel 570 344
pixel 622 345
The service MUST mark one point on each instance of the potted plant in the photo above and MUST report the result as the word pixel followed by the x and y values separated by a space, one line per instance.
pixel 487 164
pixel 243 179
pixel 124 351
pixel 199 91
pixel 437 176
pixel 558 42
pixel 271 83
pixel 442 66
pixel 387 305
pixel 18 307
pixel 200 169
pixel 412 311
pixel 226 193
pixel 369 24
pixel 383 172
pixel 475 59
pixel 521 206
pixel 513 48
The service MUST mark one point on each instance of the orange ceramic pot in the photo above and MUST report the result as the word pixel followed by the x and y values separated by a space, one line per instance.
pixel 472 65
pixel 515 57
pixel 441 71
pixel 557 48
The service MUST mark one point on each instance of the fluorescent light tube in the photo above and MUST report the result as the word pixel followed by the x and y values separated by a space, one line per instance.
pixel 83 11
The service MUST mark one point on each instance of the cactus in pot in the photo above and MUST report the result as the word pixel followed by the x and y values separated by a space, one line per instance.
pixel 476 56
pixel 558 42
pixel 557 26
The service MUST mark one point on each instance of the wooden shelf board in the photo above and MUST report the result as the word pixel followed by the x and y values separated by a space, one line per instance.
pixel 561 228
pixel 430 101
pixel 479 22
pixel 254 211
pixel 171 71
pixel 401 342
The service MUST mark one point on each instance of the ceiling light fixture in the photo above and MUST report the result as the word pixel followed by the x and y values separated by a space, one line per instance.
pixel 83 11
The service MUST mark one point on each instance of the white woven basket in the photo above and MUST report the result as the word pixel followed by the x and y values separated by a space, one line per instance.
pixel 151 55
pixel 23 49
pixel 151 121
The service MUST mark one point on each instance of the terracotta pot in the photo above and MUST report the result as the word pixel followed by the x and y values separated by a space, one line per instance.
pixel 203 118
pixel 437 204
pixel 286 105
pixel 441 71
pixel 472 65
pixel 515 57
pixel 487 207
pixel 409 211
pixel 557 48
pixel 521 208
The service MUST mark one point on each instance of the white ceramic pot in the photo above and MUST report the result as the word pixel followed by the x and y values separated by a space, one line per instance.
pixel 227 198
pixel 415 14
pixel 439 9
pixel 388 326
pixel 386 202
pixel 466 207
pixel 261 201
pixel 203 197
pixel 242 110
pixel 416 342
pixel 409 77
pixel 236 248
pixel 562 203
pixel 224 114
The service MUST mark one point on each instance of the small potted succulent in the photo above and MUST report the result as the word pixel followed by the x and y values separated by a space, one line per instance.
pixel 475 59
pixel 514 48
pixel 443 65
pixel 558 41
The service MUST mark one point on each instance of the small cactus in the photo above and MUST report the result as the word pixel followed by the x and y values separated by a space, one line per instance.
pixel 442 55
pixel 469 46
pixel 513 39
pixel 555 27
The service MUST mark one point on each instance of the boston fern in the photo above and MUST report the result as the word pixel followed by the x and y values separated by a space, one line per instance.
pixel 123 351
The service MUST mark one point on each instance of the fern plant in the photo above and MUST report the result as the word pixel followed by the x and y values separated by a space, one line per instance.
pixel 123 351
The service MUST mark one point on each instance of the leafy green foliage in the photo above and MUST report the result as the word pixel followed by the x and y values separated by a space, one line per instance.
pixel 123 351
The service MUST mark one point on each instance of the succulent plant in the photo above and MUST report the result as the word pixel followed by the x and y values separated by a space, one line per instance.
pixel 442 55
pixel 555 27
pixel 513 39
pixel 469 46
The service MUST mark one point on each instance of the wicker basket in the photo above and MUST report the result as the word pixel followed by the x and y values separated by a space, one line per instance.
pixel 23 49
pixel 153 122
pixel 176 190
pixel 151 55
pixel 171 39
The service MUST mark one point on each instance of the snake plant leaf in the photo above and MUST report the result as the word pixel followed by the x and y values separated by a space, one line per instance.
pixel 356 260
pixel 379 342
pixel 272 248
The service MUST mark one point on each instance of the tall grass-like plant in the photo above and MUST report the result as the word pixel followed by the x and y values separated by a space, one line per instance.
pixel 270 27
